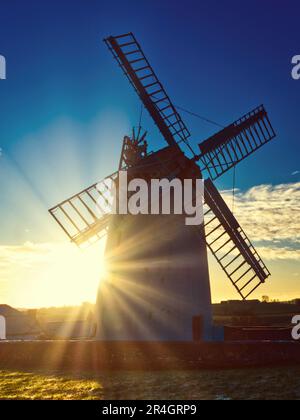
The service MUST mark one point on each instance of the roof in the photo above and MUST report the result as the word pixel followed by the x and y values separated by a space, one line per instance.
pixel 18 323
pixel 8 311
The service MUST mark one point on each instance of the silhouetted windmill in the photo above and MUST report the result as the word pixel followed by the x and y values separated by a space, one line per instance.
pixel 158 285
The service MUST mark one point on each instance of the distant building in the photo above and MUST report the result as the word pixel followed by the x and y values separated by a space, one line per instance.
pixel 237 307
pixel 295 302
pixel 70 330
pixel 20 325
pixel 68 323
pixel 256 308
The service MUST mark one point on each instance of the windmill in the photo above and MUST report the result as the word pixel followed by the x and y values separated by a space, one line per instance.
pixel 158 286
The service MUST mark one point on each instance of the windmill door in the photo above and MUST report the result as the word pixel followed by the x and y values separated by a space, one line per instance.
pixel 2 328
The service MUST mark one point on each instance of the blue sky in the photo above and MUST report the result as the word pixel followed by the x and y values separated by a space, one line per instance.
pixel 217 58
pixel 65 105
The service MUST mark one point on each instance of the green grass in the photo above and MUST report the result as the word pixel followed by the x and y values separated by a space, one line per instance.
pixel 20 385
pixel 278 383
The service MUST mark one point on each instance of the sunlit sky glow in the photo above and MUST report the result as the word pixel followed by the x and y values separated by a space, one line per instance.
pixel 65 108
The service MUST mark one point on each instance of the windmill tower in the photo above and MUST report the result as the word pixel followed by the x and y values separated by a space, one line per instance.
pixel 157 286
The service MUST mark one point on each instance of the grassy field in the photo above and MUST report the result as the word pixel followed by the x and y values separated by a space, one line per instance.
pixel 280 383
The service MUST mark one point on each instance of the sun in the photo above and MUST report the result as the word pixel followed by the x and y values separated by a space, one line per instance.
pixel 76 275
pixel 67 276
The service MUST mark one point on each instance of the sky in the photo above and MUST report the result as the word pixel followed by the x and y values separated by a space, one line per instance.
pixel 66 106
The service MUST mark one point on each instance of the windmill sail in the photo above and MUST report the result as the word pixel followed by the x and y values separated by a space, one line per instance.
pixel 234 143
pixel 231 246
pixel 85 216
pixel 130 57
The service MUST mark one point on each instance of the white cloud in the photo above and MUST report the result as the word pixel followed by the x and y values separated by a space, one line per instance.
pixel 279 253
pixel 26 255
pixel 270 216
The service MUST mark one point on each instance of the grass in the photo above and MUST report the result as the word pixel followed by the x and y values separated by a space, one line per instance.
pixel 29 386
pixel 279 383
